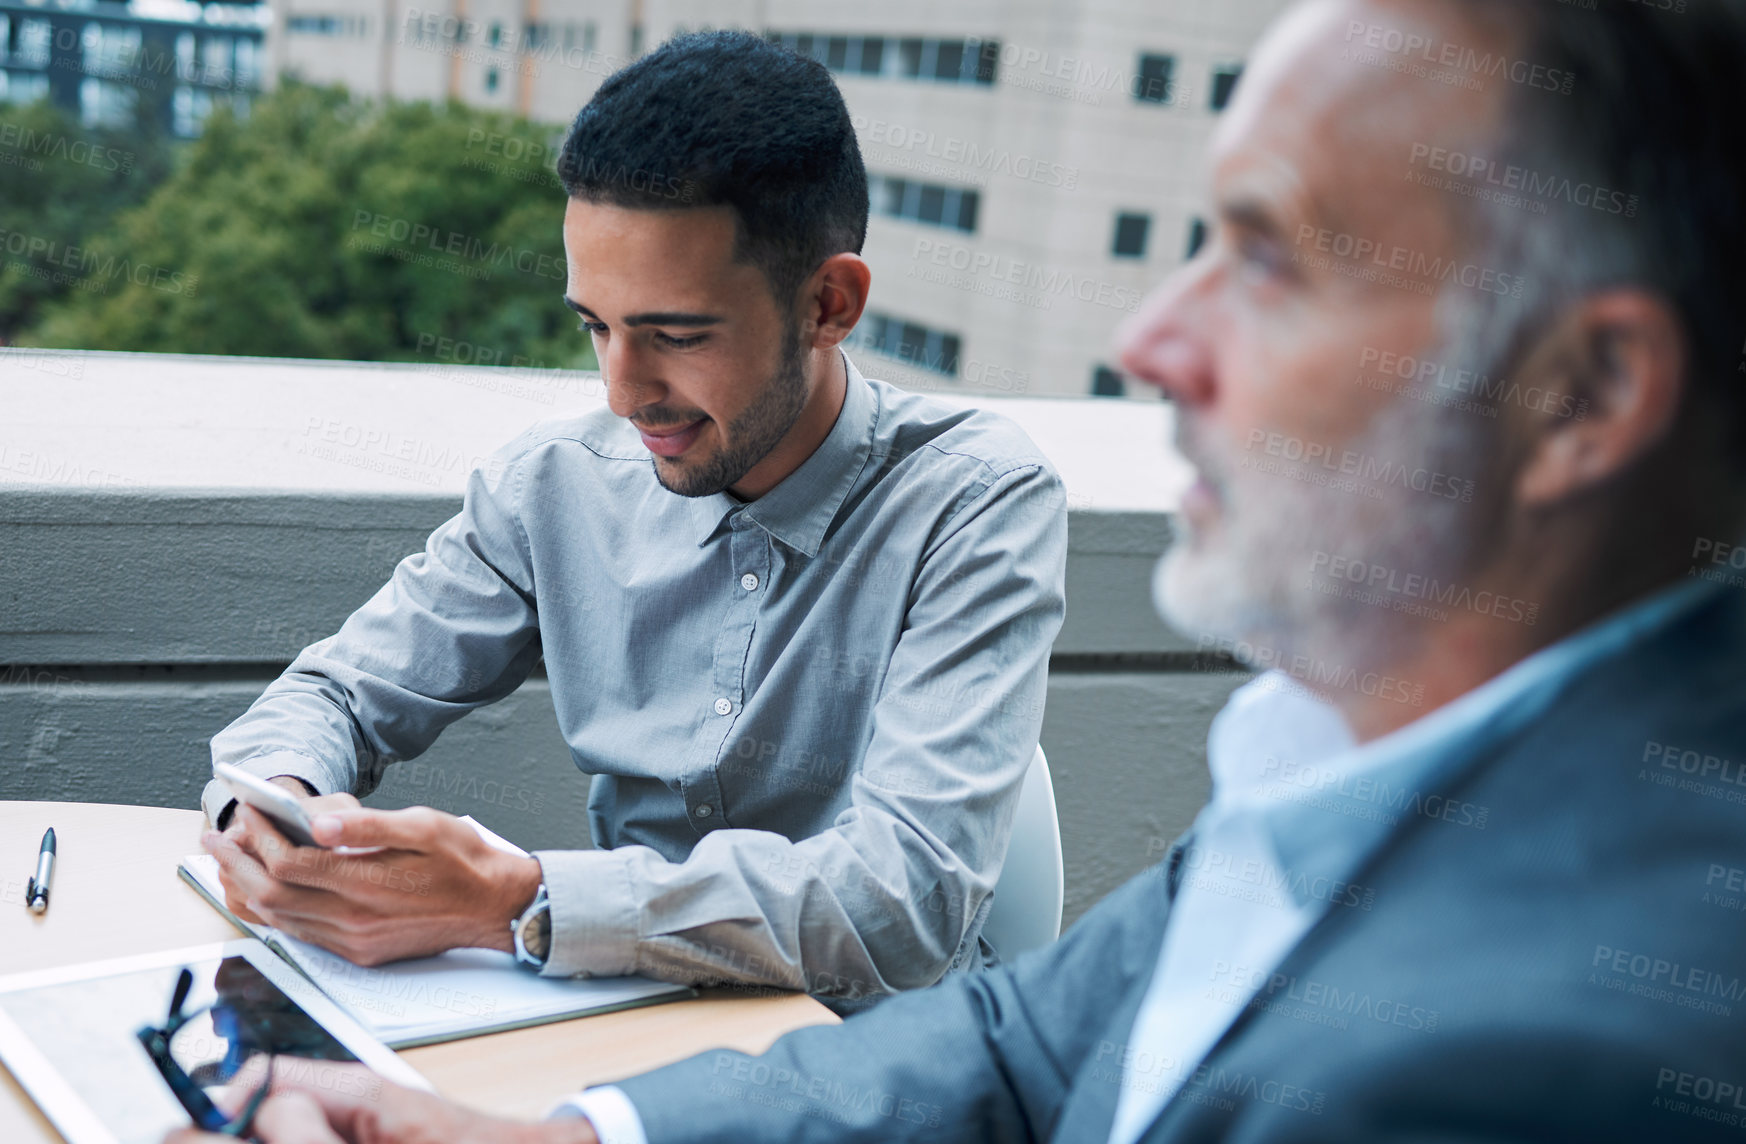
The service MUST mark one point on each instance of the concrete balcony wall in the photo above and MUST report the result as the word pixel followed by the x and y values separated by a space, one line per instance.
pixel 173 530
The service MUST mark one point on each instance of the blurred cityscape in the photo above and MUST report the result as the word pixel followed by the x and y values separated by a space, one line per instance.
pixel 1034 167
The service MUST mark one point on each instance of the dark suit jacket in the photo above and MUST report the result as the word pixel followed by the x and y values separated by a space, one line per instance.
pixel 1569 965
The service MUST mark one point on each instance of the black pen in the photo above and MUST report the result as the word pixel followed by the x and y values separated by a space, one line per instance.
pixel 36 894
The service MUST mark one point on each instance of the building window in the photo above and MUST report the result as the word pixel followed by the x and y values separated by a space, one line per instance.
pixel 495 36
pixel 536 37
pixel 950 61
pixel 910 342
pixel 1106 382
pixel 490 79
pixel 325 25
pixel 1196 236
pixel 872 58
pixel 952 207
pixel 1130 235
pixel 953 61
pixel 1153 85
pixel 1224 83
pixel 588 32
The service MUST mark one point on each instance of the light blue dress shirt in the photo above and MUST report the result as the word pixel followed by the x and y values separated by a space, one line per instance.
pixel 808 715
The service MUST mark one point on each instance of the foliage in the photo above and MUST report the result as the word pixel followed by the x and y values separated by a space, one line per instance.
pixel 60 183
pixel 330 227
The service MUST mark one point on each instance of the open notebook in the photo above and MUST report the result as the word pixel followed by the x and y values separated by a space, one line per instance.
pixel 462 993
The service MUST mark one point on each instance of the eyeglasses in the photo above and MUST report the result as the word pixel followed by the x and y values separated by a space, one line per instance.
pixel 206 1048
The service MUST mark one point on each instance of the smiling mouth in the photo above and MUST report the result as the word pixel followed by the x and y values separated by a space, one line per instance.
pixel 671 440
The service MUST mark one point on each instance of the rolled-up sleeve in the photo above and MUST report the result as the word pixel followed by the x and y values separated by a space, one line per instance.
pixel 893 894
pixel 453 629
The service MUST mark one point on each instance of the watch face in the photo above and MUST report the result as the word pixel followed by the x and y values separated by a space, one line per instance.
pixel 536 930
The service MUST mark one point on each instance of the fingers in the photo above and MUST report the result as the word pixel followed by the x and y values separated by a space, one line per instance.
pixel 280 858
pixel 290 1117
pixel 293 1118
pixel 262 892
pixel 238 872
pixel 417 828
pixel 351 1097
pixel 368 944
pixel 330 802
pixel 363 1107
pixel 255 834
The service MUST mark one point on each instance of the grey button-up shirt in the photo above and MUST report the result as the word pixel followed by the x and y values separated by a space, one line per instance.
pixel 808 715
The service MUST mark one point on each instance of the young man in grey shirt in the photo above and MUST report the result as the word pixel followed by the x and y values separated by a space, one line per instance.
pixel 796 622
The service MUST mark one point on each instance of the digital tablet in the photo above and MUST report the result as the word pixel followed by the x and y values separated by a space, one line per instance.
pixel 71 1036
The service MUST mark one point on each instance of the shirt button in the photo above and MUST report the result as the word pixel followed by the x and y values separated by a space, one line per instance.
pixel 749 582
pixel 723 707
pixel 704 810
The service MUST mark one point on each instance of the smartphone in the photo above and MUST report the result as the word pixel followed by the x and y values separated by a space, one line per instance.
pixel 281 807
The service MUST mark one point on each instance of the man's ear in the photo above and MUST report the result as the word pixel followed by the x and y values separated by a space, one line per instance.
pixel 834 298
pixel 1620 356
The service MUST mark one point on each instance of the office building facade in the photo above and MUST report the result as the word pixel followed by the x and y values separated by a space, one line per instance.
pixel 1034 168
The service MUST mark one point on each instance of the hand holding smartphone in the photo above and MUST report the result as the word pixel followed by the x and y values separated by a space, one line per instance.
pixel 279 805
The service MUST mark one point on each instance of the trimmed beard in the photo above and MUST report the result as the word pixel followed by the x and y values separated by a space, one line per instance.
pixel 753 434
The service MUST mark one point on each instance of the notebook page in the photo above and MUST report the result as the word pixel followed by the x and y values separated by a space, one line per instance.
pixel 458 993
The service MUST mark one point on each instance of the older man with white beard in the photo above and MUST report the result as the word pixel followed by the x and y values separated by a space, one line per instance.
pixel 1465 431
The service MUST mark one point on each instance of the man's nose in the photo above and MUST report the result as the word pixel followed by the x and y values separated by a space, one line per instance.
pixel 631 383
pixel 1166 343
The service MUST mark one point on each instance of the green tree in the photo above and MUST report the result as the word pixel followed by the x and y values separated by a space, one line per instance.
pixel 330 227
pixel 59 184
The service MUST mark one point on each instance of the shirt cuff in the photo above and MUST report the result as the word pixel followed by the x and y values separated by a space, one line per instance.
pixel 317 774
pixel 595 930
pixel 611 1112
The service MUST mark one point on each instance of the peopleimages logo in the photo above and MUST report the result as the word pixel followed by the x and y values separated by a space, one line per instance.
pixel 1038 283
pixel 1496 391
pixel 1419 269
pixel 1700 1097
pixel 88 270
pixel 1529 182
pixel 1372 471
pixel 1426 52
pixel 1381 580
pixel 464 246
pixel 964 153
pixel 55 146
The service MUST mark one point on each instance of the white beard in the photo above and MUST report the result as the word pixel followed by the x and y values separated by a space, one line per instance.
pixel 1248 580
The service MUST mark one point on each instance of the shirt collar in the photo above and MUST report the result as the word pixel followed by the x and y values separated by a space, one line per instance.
pixel 800 509
pixel 709 515
pixel 1328 803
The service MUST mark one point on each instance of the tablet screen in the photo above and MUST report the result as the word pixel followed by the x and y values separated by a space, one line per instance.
pixel 86 1032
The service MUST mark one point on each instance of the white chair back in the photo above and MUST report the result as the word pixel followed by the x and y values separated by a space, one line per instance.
pixel 1028 897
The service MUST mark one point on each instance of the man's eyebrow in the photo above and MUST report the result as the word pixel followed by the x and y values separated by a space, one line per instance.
pixel 658 318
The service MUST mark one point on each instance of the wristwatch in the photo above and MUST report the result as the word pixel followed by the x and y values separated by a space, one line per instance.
pixel 532 931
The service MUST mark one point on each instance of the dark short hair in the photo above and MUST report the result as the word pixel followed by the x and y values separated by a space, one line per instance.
pixel 728 118
pixel 1656 113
